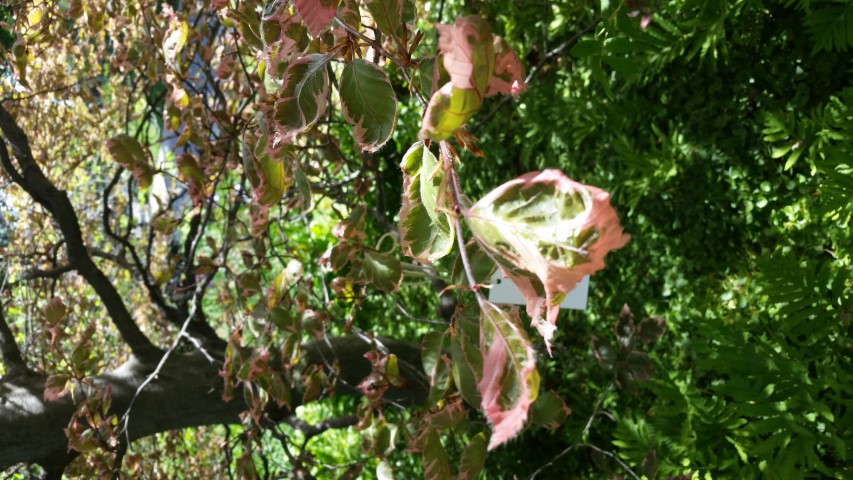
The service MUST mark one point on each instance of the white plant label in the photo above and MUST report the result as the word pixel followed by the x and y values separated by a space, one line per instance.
pixel 504 291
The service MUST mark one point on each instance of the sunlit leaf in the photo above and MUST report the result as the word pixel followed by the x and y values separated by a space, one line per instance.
pixel 546 232
pixel 468 53
pixel 426 232
pixel 174 40
pixel 266 167
pixel 448 109
pixel 369 103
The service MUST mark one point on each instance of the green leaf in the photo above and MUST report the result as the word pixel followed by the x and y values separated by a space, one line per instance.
pixel 382 271
pixel 302 98
pixel 467 365
pixel 435 366
pixel 388 14
pixel 473 458
pixel 426 232
pixel 436 466
pixel 482 265
pixel 369 103
pixel 510 381
pixel 449 109
pixel 586 48
pixel 549 411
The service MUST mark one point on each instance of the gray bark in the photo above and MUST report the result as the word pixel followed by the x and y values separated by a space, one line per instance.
pixel 186 393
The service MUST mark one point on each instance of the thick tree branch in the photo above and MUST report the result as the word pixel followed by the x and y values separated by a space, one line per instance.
pixel 32 179
pixel 12 358
pixel 186 393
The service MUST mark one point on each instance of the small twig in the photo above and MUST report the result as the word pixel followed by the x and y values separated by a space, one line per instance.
pixel 586 428
pixel 458 210
pixel 614 457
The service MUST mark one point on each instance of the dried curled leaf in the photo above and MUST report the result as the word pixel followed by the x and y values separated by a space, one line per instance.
pixel 546 232
pixel 508 77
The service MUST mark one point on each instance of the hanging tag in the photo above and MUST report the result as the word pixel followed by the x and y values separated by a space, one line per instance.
pixel 504 291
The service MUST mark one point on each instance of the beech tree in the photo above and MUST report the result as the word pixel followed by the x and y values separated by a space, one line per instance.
pixel 196 195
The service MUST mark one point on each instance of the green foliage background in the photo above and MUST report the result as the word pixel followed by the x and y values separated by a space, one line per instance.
pixel 724 131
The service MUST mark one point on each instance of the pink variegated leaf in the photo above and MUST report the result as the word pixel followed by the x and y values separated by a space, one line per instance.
pixel 302 97
pixel 468 51
pixel 55 387
pixel 510 381
pixel 508 76
pixel 316 13
pixel 546 232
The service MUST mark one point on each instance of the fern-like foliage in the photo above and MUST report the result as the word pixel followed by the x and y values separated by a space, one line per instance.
pixel 831 26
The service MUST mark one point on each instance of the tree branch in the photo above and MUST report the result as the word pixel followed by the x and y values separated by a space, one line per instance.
pixel 187 392
pixel 12 358
pixel 32 179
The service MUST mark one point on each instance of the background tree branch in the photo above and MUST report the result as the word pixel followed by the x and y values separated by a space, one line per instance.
pixel 33 181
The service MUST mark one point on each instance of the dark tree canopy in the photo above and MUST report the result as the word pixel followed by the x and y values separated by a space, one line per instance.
pixel 257 239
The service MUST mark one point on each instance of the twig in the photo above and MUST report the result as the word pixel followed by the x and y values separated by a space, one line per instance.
pixel 458 210
pixel 586 428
